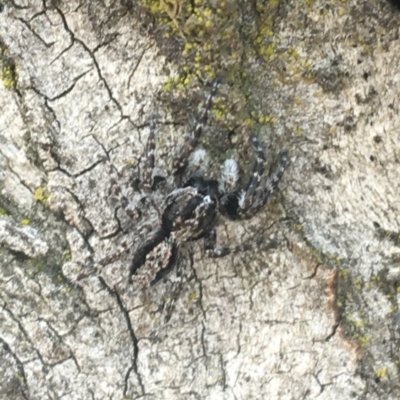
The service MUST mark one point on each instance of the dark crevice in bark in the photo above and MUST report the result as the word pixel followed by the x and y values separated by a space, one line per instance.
pixel 20 366
pixel 134 339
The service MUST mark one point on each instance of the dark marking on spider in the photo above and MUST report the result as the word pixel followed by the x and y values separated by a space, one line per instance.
pixel 187 205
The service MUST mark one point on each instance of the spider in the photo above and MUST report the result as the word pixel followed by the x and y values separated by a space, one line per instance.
pixel 170 212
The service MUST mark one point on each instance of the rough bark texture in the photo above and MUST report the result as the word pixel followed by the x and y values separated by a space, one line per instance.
pixel 316 318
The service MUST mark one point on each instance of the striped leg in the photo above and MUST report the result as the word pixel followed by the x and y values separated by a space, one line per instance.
pixel 149 153
pixel 214 251
pixel 248 201
pixel 246 196
pixel 118 195
pixel 177 280
pixel 262 194
pixel 187 149
pixel 272 182
pixel 229 176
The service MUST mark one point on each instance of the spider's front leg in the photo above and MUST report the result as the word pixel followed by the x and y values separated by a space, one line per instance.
pixel 149 153
pixel 177 281
pixel 248 201
pixel 182 161
pixel 127 183
pixel 126 186
pixel 215 251
pixel 120 191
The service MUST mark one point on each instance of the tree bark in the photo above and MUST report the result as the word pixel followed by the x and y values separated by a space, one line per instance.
pixel 315 318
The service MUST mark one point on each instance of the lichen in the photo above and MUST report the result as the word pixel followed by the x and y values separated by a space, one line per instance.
pixel 381 373
pixel 41 195
pixel 3 212
pixel 212 43
pixel 8 70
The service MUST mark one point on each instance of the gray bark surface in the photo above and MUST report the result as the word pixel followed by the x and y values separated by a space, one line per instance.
pixel 315 318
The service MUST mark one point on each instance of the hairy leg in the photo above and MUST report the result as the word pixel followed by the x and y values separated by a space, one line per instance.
pixel 248 201
pixel 187 149
pixel 246 196
pixel 177 280
pixel 229 176
pixel 264 192
pixel 149 154
pixel 215 251
pixel 119 195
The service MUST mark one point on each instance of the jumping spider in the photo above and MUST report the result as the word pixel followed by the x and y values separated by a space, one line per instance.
pixel 169 212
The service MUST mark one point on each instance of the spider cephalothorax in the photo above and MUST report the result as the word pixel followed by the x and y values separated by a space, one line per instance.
pixel 187 203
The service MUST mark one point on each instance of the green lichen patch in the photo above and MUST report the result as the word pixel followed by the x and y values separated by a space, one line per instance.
pixel 383 234
pixel 221 38
pixel 41 195
pixel 355 322
pixel 8 70
pixel 3 212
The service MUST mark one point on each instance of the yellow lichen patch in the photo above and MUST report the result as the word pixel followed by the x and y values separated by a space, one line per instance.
pixel 25 222
pixel 8 73
pixel 297 130
pixel 298 227
pixel 67 255
pixel 381 373
pixel 41 195
pixel 131 162
pixel 7 76
pixel 38 265
pixel 214 40
pixel 248 123
pixel 363 340
pixel 267 119
pixel 344 273
pixel 358 284
pixel 309 3
pixel 268 52
pixel 193 295
pixel 358 324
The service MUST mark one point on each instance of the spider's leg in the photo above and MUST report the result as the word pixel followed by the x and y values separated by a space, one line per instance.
pixel 272 182
pixel 114 191
pixel 197 165
pixel 187 149
pixel 118 197
pixel 229 176
pixel 181 276
pixel 264 192
pixel 253 196
pixel 247 195
pixel 210 241
pixel 149 154
pixel 221 251
pixel 228 182
pixel 122 250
